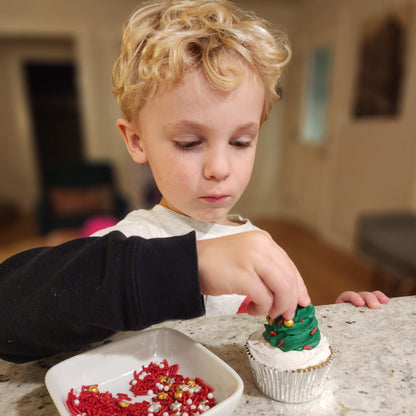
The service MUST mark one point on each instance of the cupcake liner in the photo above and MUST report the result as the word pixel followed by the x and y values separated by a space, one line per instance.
pixel 290 386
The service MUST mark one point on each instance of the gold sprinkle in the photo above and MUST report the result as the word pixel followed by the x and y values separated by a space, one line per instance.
pixel 162 396
pixel 289 323
pixel 191 383
pixel 123 404
pixel 93 389
pixel 270 320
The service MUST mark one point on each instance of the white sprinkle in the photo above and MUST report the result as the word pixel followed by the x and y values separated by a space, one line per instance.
pixel 176 405
pixel 154 407
pixel 76 402
pixel 210 395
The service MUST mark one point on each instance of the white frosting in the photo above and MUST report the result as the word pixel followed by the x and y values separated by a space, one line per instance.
pixel 274 357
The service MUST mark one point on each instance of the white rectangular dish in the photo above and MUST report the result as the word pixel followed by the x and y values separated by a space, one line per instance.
pixel 111 366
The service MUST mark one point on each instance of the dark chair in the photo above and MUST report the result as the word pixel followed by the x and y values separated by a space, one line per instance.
pixel 388 241
pixel 75 192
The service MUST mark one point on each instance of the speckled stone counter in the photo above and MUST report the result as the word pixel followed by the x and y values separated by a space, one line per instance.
pixel 374 372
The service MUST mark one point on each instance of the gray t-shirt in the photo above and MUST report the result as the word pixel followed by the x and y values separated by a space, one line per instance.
pixel 163 222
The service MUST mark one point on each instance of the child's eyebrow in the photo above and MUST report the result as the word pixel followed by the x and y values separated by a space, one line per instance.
pixel 183 124
pixel 251 127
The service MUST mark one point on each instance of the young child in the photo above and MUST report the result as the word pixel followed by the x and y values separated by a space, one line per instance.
pixel 195 80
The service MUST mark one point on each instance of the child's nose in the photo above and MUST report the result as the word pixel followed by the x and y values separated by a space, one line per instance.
pixel 217 166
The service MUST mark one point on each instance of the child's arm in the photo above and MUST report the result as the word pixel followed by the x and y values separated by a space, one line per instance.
pixel 252 264
pixel 62 298
pixel 371 299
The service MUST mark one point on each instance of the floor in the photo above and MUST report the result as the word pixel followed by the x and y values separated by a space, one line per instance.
pixel 326 270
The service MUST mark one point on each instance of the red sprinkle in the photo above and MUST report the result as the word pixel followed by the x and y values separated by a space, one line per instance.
pixel 280 322
pixel 280 343
pixel 170 391
pixel 273 333
pixel 307 347
pixel 313 330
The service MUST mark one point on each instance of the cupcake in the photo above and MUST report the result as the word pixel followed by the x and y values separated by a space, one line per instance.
pixel 290 359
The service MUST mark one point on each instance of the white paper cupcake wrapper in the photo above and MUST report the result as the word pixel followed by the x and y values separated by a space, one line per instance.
pixel 290 386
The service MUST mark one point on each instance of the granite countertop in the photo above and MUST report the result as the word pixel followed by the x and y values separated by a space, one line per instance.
pixel 374 372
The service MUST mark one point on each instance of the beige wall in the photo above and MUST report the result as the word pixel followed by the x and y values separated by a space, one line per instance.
pixel 364 165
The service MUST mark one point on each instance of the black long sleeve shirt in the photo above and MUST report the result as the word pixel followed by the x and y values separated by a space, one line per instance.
pixel 55 299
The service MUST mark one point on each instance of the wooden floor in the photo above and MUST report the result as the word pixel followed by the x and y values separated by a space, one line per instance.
pixel 326 270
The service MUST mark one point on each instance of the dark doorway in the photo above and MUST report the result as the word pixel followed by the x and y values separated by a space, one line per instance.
pixel 55 113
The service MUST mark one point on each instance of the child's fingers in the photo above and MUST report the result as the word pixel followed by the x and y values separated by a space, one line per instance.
pixel 374 299
pixel 282 285
pixel 352 297
pixel 261 298
pixel 381 297
pixel 370 299
pixel 304 298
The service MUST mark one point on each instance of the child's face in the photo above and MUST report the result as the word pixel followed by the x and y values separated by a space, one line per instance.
pixel 200 143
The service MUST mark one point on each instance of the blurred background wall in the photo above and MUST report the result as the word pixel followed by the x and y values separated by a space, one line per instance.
pixel 360 161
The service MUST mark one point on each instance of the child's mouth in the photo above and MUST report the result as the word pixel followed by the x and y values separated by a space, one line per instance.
pixel 215 199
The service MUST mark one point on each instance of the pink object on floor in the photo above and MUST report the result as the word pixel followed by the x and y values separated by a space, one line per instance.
pixel 97 223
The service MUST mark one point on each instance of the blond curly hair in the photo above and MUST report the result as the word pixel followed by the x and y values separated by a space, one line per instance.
pixel 163 39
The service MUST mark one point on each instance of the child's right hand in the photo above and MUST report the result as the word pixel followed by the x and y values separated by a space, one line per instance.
pixel 252 264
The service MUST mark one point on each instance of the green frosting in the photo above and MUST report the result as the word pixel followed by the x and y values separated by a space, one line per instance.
pixel 303 334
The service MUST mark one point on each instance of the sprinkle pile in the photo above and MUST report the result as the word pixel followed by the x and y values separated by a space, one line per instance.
pixel 171 394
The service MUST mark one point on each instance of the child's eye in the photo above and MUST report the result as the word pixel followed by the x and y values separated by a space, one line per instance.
pixel 187 145
pixel 241 144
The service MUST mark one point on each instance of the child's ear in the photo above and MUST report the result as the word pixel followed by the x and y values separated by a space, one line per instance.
pixel 132 139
